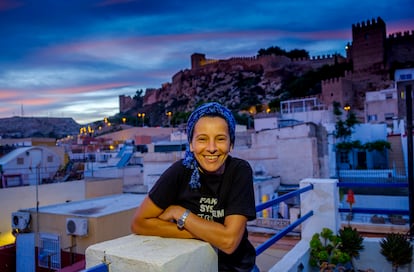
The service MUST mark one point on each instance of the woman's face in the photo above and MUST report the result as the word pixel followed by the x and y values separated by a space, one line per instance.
pixel 211 144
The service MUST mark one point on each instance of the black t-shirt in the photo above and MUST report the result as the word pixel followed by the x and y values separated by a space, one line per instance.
pixel 219 196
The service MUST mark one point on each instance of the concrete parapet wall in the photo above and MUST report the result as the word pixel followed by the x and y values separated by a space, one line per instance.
pixel 295 260
pixel 152 254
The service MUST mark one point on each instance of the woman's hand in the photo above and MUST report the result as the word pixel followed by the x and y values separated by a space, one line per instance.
pixel 149 219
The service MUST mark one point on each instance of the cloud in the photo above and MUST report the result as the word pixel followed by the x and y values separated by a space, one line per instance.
pixel 74 58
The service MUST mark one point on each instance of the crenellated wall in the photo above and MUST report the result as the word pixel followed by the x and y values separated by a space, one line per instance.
pixel 199 61
pixel 338 90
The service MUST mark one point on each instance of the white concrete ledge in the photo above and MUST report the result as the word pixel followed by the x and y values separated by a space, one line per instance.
pixel 153 254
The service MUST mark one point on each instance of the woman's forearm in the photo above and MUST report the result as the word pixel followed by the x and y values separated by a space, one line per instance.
pixel 158 227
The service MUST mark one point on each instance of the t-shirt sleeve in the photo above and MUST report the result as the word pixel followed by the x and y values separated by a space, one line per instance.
pixel 165 190
pixel 241 194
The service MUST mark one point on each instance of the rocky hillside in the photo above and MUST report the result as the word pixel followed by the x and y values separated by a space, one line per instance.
pixel 22 127
pixel 237 83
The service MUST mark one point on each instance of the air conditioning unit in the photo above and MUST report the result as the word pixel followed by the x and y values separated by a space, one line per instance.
pixel 77 226
pixel 20 220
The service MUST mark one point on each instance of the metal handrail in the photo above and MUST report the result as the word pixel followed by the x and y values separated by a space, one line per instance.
pixel 267 204
pixel 269 242
pixel 373 184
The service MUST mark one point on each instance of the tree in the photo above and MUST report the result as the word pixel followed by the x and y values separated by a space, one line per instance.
pixel 139 98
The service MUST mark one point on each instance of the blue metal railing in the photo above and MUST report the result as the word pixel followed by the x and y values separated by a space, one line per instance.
pixel 376 185
pixel 269 242
pixel 103 267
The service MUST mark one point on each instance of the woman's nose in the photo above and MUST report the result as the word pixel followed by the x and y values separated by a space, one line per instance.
pixel 211 147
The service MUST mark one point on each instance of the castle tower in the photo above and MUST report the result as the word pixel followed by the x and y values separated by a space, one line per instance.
pixel 197 59
pixel 368 44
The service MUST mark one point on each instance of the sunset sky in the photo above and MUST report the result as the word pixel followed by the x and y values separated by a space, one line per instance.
pixel 73 58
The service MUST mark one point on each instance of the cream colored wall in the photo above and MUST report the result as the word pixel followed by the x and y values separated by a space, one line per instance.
pixel 94 188
pixel 100 229
pixel 109 227
pixel 291 153
pixel 14 199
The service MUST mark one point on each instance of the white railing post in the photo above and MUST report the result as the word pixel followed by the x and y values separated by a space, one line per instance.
pixel 323 200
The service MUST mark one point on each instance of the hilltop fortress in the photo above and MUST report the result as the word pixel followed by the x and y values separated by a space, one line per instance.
pixel 373 55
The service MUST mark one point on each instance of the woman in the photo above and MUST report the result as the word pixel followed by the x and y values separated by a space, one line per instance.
pixel 208 195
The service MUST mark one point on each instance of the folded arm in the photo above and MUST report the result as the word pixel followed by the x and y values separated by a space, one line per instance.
pixel 151 220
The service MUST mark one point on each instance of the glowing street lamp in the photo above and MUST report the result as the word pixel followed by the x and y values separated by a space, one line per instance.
pixel 347 108
pixel 143 116
pixel 169 114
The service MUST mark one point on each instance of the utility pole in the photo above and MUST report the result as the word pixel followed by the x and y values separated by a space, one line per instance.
pixel 409 107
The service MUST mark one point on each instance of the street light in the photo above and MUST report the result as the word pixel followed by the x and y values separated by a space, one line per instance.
pixel 347 108
pixel 143 116
pixel 169 113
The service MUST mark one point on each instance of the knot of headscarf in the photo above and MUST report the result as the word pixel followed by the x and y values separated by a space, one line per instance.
pixel 208 109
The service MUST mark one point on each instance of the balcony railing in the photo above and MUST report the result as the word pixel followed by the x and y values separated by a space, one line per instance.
pixel 319 208
pixel 268 243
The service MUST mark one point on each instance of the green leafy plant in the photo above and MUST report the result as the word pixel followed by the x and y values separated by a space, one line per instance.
pixel 351 242
pixel 397 249
pixel 326 252
pixel 330 252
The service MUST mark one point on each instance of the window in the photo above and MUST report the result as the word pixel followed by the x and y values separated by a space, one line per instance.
pixel 20 161
pixel 372 117
pixel 388 116
pixel 50 158
pixel 49 251
pixel 343 157
pixel 388 96
pixel 406 77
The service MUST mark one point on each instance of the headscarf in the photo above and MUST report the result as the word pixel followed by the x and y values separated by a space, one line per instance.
pixel 208 109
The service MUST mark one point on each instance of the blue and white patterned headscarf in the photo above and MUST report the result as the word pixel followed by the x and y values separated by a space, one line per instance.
pixel 208 109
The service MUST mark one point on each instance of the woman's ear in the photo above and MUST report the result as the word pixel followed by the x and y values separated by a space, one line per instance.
pixel 191 147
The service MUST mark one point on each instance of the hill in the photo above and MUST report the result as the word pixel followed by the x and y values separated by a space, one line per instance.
pixel 242 84
pixel 24 127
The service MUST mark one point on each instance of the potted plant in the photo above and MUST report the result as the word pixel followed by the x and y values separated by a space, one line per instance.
pixel 325 252
pixel 330 252
pixel 397 219
pixel 351 243
pixel 397 249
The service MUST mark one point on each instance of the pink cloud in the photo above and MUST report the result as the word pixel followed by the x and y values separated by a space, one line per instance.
pixel 38 101
pixel 7 94
pixel 89 88
pixel 400 26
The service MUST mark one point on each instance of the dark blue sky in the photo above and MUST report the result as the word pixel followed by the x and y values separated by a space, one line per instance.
pixel 74 58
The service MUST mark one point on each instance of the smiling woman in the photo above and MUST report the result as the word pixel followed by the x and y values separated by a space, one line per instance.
pixel 208 195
